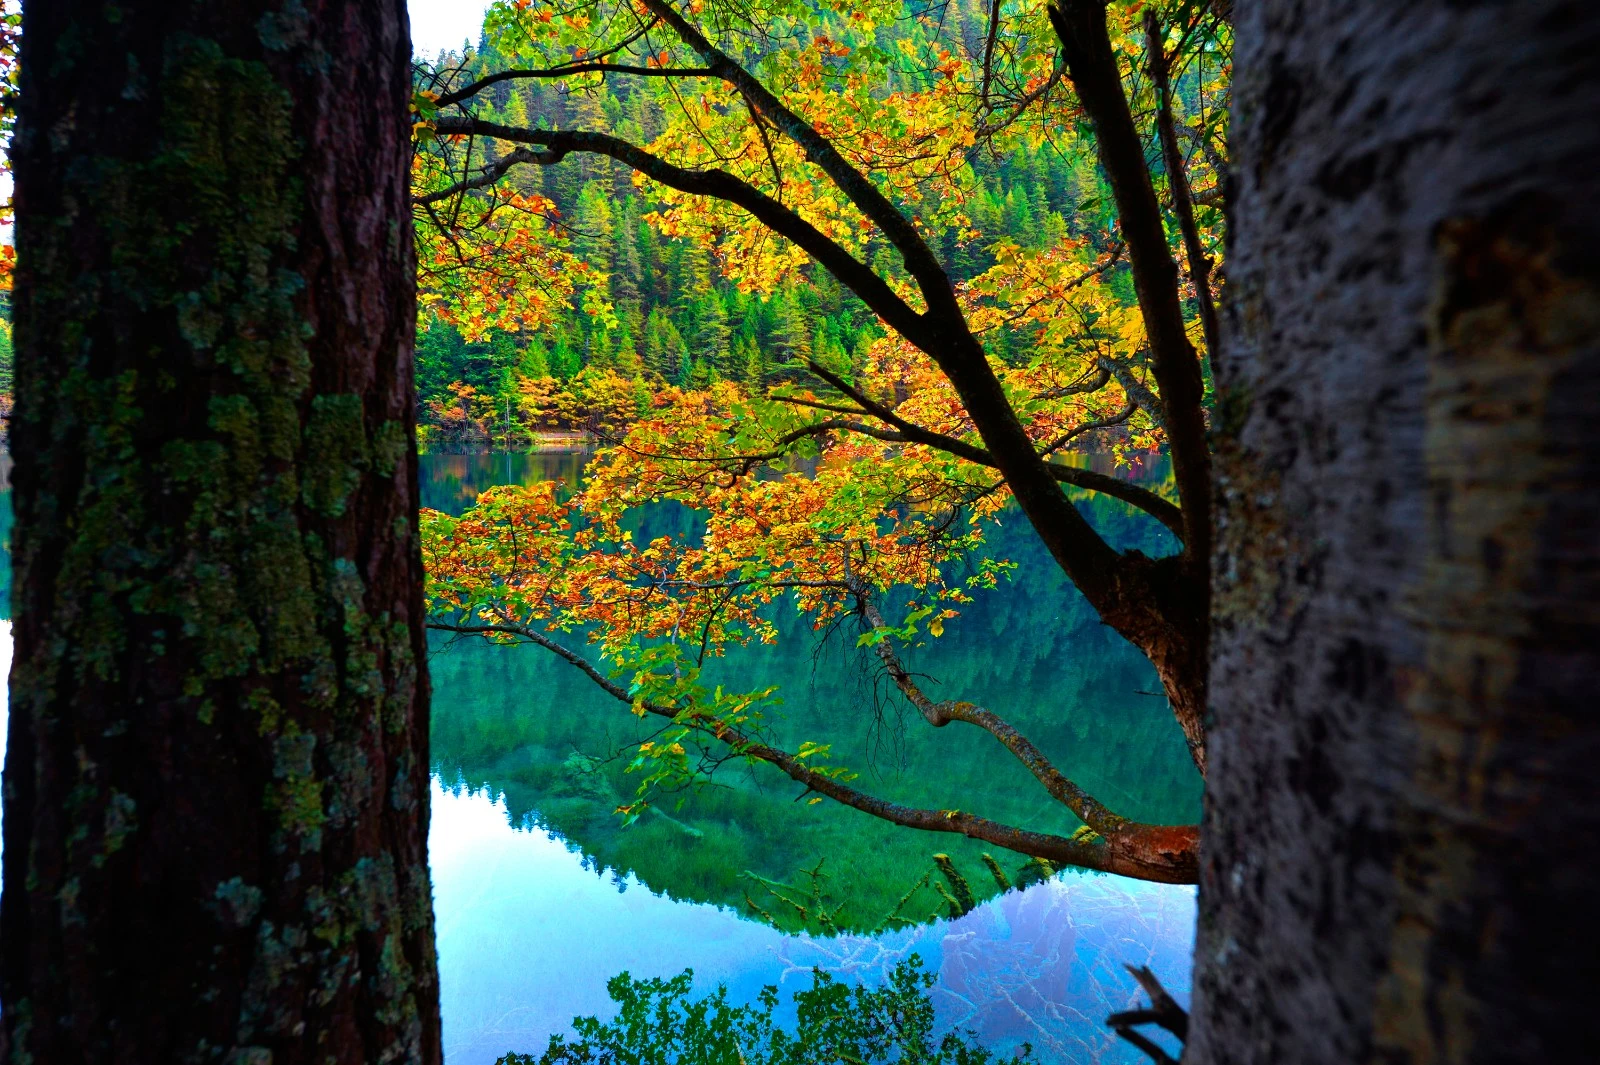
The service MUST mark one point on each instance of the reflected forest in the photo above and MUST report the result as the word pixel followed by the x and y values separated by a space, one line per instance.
pixel 938 532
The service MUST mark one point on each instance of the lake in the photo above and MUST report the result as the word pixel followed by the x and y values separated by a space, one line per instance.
pixel 541 894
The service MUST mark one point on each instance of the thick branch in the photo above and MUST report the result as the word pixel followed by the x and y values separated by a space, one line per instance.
pixel 1089 809
pixel 1164 512
pixel 568 71
pixel 720 185
pixel 1178 182
pixel 1086 47
pixel 897 229
pixel 1093 383
pixel 942 332
pixel 1159 853
pixel 1134 387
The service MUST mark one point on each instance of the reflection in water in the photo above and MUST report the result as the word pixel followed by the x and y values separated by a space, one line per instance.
pixel 531 924
pixel 543 895
pixel 530 930
pixel 452 482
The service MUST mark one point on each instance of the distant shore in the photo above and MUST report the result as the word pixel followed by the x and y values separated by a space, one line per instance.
pixel 552 442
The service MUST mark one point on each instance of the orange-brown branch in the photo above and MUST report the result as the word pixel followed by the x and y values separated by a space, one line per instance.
pixel 1167 854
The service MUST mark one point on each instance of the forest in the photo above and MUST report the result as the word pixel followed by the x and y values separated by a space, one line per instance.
pixel 1062 321
pixel 659 304
pixel 799 531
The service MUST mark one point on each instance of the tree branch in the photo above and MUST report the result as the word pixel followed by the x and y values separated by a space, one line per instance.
pixel 1090 426
pixel 1099 571
pixel 897 229
pixel 570 70
pixel 988 52
pixel 1089 810
pixel 1163 1010
pixel 557 71
pixel 1086 47
pixel 1160 509
pixel 989 129
pixel 1148 1046
pixel 1159 853
pixel 490 174
pixel 721 185
pixel 1134 387
pixel 943 332
pixel 1178 182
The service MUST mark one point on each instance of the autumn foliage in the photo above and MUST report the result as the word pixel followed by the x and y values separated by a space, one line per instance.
pixel 843 137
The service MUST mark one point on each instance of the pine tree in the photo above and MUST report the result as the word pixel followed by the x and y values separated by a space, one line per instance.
pixel 664 348
pixel 791 333
pixel 711 337
pixel 627 360
pixel 754 366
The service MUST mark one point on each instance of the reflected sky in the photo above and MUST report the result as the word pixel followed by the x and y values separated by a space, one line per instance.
pixel 529 932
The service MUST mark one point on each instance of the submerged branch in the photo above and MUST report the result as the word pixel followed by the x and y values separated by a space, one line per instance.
pixel 1163 1010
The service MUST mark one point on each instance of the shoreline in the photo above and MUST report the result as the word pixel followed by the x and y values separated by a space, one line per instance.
pixel 549 443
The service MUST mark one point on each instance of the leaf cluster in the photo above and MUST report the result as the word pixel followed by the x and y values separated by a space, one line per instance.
pixel 661 1022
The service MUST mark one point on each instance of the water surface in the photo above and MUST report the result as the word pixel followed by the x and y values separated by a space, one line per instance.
pixel 541 895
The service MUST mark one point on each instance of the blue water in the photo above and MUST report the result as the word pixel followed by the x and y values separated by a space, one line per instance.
pixel 529 932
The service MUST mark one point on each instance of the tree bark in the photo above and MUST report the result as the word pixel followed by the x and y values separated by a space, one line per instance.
pixel 216 788
pixel 1402 826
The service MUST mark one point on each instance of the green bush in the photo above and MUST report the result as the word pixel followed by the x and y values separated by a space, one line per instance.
pixel 661 1024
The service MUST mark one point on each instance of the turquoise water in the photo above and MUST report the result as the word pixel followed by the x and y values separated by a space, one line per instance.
pixel 541 895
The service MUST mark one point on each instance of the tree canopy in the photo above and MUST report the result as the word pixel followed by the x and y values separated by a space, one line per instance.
pixel 853 281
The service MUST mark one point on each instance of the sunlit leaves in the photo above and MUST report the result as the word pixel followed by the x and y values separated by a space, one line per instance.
pixel 808 500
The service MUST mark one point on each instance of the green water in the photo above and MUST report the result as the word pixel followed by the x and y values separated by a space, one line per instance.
pixel 540 896
pixel 517 722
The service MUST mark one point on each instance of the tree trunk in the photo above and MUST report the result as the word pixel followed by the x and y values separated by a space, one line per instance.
pixel 1401 830
pixel 217 780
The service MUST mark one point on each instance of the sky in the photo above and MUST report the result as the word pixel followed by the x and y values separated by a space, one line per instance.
pixel 441 24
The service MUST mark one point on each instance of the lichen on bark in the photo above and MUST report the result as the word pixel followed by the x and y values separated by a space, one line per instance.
pixel 219 683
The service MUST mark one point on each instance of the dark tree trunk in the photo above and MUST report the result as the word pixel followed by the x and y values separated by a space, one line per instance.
pixel 1402 825
pixel 216 786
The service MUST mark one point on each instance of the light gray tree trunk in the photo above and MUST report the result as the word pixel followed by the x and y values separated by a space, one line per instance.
pixel 1403 819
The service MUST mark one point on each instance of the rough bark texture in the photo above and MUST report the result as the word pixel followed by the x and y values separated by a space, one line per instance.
pixel 1402 823
pixel 216 783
